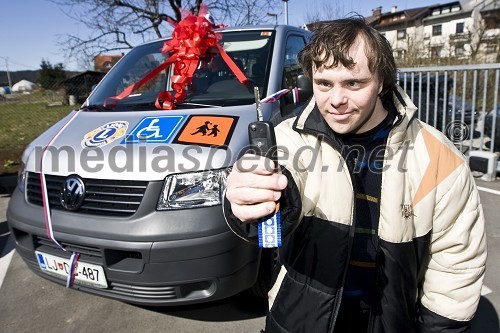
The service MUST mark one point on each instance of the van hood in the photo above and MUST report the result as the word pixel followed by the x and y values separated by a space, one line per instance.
pixel 145 145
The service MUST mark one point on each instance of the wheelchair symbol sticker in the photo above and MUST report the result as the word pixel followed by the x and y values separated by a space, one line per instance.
pixel 105 134
pixel 154 129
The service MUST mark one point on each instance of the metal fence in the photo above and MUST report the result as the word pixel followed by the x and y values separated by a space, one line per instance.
pixel 460 101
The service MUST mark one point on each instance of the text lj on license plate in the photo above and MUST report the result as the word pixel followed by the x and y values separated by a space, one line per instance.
pixel 86 273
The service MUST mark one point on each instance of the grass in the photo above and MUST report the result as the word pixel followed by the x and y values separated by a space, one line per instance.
pixel 21 121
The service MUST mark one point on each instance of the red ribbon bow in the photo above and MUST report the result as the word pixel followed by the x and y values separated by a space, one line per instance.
pixel 191 39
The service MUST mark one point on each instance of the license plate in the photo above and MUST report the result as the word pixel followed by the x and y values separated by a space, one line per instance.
pixel 86 274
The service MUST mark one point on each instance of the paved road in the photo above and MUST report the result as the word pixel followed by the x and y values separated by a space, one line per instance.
pixel 29 303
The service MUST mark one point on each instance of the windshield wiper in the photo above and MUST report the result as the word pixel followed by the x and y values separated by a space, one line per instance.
pixel 197 105
pixel 93 107
pixel 141 106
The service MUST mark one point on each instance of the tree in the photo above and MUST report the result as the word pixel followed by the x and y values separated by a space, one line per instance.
pixel 51 75
pixel 476 35
pixel 119 25
pixel 324 11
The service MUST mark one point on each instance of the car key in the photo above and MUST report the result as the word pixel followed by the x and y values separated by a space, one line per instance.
pixel 263 142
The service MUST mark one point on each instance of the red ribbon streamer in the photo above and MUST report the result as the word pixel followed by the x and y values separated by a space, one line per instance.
pixel 191 39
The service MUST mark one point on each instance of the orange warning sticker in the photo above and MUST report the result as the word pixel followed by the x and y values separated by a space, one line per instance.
pixel 207 130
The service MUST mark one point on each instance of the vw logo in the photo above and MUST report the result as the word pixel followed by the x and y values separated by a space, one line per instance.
pixel 72 193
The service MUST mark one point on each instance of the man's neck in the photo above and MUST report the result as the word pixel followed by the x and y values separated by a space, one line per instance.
pixel 379 113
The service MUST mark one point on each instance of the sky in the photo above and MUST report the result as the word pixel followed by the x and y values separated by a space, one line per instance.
pixel 31 29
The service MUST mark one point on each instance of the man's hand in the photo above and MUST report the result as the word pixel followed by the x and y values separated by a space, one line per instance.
pixel 253 187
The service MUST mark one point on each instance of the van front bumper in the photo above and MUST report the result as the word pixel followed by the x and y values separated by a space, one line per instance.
pixel 149 265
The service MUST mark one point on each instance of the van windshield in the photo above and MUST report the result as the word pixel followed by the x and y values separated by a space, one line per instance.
pixel 213 84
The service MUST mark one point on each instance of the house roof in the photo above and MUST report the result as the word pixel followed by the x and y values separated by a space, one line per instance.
pixel 77 78
pixel 405 17
pixel 464 8
pixel 391 20
pixel 491 8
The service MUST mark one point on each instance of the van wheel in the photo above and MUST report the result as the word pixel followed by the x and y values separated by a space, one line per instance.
pixel 268 263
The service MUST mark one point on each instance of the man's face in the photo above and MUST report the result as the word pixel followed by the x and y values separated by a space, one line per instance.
pixel 348 98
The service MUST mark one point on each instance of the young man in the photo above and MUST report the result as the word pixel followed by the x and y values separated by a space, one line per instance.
pixel 382 226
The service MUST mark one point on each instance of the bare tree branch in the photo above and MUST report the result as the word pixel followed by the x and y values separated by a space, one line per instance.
pixel 118 25
pixel 324 11
pixel 476 34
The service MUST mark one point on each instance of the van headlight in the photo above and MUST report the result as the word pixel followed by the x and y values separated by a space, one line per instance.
pixel 193 190
pixel 21 177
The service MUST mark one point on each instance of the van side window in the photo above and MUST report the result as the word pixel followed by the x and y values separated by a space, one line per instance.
pixel 291 69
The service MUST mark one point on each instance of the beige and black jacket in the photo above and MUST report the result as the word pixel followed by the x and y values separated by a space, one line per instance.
pixel 431 238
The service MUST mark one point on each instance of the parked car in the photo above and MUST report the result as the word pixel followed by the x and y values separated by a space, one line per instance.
pixel 462 112
pixel 429 95
pixel 137 190
pixel 455 106
pixel 493 130
pixel 423 90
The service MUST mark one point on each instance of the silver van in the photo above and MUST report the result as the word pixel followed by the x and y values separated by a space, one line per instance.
pixel 136 190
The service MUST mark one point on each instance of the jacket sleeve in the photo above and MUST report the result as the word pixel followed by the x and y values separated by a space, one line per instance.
pixel 290 208
pixel 453 280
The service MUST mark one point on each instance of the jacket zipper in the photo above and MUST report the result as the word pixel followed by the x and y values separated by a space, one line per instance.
pixel 371 319
pixel 338 299
pixel 337 145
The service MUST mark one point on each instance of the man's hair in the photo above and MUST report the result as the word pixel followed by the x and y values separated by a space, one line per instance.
pixel 330 46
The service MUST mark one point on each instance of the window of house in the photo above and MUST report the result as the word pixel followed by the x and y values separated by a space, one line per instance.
pixel 490 48
pixel 401 33
pixel 459 49
pixel 491 23
pixel 437 30
pixel 436 51
pixel 460 28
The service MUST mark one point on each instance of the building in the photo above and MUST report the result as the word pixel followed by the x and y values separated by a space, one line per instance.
pixel 462 30
pixel 491 38
pixel 401 28
pixel 80 86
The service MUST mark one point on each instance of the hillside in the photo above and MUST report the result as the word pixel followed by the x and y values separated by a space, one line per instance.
pixel 18 76
pixel 24 75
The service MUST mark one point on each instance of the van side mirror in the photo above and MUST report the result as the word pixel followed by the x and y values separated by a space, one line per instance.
pixel 304 84
pixel 304 87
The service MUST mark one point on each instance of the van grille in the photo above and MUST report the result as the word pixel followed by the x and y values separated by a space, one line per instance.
pixel 102 196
